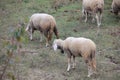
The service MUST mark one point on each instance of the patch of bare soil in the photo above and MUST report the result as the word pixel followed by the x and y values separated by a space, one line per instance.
pixel 36 74
pixel 115 32
pixel 115 62
pixel 113 59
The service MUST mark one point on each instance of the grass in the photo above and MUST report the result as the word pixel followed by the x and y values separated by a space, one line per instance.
pixel 40 63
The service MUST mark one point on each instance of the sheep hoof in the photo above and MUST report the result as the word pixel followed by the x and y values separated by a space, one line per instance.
pixel 31 39
pixel 47 45
pixel 88 76
pixel 68 70
pixel 85 21
pixel 99 25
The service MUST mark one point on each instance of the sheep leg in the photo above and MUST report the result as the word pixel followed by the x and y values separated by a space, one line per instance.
pixel 91 67
pixel 69 64
pixel 89 71
pixel 83 12
pixel 31 32
pixel 100 18
pixel 94 65
pixel 56 32
pixel 89 64
pixel 41 37
pixel 98 23
pixel 47 40
pixel 93 19
pixel 50 34
pixel 74 64
pixel 85 16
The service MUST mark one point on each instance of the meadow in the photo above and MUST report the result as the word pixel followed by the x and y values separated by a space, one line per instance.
pixel 37 62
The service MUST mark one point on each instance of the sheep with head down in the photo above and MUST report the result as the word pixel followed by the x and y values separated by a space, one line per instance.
pixel 115 7
pixel 74 47
pixel 94 8
pixel 43 22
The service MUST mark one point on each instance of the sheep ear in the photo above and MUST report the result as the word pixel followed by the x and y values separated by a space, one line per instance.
pixel 55 47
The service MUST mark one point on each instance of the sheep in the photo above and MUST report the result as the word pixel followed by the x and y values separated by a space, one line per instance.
pixel 115 7
pixel 44 23
pixel 94 8
pixel 74 47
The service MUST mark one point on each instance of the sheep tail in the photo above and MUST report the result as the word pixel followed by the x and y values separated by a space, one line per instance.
pixel 56 32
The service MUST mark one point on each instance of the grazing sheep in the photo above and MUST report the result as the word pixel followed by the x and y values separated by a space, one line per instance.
pixel 74 47
pixel 45 23
pixel 93 7
pixel 115 7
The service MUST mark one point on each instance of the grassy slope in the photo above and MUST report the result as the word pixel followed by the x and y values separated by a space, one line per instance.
pixel 45 63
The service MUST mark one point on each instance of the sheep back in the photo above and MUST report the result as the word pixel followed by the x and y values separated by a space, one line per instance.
pixel 79 46
pixel 42 21
pixel 115 6
pixel 92 5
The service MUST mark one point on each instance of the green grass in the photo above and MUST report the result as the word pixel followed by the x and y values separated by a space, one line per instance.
pixel 38 62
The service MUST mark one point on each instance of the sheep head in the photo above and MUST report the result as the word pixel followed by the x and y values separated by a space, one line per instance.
pixel 58 44
pixel 29 30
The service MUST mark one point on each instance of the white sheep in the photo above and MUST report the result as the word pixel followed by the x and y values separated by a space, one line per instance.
pixel 74 47
pixel 115 7
pixel 43 22
pixel 93 7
